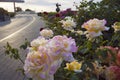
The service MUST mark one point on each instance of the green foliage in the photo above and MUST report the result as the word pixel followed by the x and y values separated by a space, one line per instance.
pixel 18 9
pixel 106 9
pixel 12 14
pixel 88 51
pixel 115 40
pixel 12 52
pixel 30 79
pixel 28 10
pixel 2 11
pixel 5 12
pixel 25 45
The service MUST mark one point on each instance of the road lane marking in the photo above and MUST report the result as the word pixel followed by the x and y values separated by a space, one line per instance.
pixel 18 30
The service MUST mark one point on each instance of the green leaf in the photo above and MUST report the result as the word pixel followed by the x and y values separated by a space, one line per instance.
pixel 25 45
pixel 30 79
pixel 93 78
pixel 113 58
pixel 84 50
pixel 90 65
pixel 20 70
pixel 8 46
pixel 104 53
pixel 84 66
pixel 7 52
pixel 74 77
pixel 89 45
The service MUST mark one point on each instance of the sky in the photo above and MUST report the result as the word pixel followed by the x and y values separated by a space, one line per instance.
pixel 41 5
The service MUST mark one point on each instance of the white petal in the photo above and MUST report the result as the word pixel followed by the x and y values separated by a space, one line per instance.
pixel 107 28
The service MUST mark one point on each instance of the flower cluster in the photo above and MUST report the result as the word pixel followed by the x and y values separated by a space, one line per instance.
pixel 68 12
pixel 114 51
pixel 46 55
pixel 68 23
pixel 116 26
pixel 113 71
pixel 74 66
pixel 109 62
pixel 46 33
pixel 94 27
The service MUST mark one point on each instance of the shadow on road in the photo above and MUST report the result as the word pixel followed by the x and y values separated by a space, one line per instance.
pixel 5 23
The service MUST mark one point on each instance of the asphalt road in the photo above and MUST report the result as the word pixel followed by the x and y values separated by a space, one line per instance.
pixel 21 27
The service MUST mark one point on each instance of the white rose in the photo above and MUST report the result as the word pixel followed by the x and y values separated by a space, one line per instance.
pixel 46 33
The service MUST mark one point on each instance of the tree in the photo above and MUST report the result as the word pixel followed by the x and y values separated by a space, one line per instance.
pixel 4 15
pixel 28 10
pixel 18 9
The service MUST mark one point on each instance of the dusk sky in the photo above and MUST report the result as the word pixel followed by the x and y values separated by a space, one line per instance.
pixel 41 5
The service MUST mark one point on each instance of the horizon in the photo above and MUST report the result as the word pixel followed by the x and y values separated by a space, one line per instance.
pixel 41 5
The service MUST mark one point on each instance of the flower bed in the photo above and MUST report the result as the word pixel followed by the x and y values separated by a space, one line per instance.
pixel 68 54
pixel 68 51
pixel 94 57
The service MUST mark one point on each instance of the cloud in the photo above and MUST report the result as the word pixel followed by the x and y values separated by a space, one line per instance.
pixel 47 5
pixel 38 2
pixel 48 2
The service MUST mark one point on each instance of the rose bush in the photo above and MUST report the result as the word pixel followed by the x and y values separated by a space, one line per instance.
pixel 71 48
pixel 50 56
pixel 95 52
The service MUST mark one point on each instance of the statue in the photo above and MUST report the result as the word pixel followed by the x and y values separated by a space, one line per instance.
pixel 57 9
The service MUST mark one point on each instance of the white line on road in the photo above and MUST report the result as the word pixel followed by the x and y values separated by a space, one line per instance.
pixel 18 30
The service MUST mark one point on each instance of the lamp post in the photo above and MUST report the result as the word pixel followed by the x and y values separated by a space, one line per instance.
pixel 58 9
pixel 14 7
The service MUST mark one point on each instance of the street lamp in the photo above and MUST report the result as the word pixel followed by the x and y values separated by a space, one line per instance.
pixel 57 5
